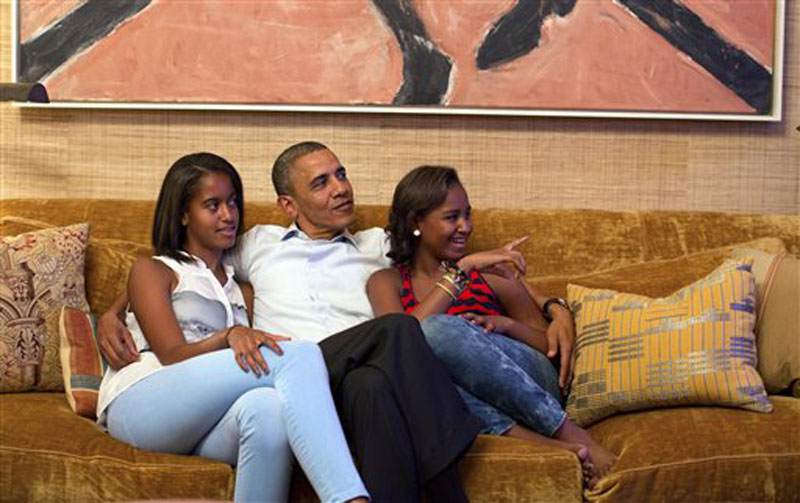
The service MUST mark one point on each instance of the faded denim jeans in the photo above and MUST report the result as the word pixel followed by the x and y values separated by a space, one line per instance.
pixel 503 381
pixel 208 406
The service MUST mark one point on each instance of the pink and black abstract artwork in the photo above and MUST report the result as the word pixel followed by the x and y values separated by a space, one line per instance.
pixel 652 56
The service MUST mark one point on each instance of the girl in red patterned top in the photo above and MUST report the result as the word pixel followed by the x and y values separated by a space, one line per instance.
pixel 480 319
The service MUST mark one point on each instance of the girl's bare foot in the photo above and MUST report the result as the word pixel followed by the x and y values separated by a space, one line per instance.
pixel 590 476
pixel 602 458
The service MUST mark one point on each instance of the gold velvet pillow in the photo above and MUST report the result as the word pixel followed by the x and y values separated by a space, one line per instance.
pixel 40 271
pixel 695 347
pixel 656 278
pixel 81 361
pixel 108 262
pixel 12 225
pixel 778 319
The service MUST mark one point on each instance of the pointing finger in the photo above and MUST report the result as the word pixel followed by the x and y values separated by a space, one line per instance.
pixel 516 242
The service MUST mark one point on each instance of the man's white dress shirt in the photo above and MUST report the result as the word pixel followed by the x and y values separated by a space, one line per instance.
pixel 309 288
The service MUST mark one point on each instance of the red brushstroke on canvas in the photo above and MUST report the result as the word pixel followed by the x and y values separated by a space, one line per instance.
pixel 599 57
pixel 281 51
pixel 37 14
pixel 747 24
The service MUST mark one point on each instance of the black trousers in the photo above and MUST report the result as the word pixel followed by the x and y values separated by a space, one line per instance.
pixel 404 420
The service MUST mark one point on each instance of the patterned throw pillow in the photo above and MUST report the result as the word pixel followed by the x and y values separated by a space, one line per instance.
pixel 82 363
pixel 40 271
pixel 695 347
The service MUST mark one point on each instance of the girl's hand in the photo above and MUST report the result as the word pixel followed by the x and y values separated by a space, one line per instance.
pixel 245 342
pixel 505 261
pixel 498 324
pixel 116 341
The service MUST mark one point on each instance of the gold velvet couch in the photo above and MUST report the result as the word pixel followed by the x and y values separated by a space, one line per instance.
pixel 50 454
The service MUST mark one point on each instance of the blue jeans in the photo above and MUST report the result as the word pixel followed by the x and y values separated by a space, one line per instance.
pixel 208 406
pixel 502 380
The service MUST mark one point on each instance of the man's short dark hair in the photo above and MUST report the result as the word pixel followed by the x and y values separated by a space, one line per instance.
pixel 284 162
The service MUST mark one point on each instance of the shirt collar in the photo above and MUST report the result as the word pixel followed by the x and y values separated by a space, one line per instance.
pixel 293 231
pixel 200 265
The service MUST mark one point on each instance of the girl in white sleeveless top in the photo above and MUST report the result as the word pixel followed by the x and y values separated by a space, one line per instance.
pixel 205 383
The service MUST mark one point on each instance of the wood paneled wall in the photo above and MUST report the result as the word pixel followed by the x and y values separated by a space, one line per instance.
pixel 505 162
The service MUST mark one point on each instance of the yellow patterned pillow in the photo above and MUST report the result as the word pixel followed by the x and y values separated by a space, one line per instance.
pixel 695 347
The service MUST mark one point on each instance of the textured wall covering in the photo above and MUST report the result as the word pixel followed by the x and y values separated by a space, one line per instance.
pixel 505 162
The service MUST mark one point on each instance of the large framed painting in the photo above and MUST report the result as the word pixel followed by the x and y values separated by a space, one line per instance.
pixel 711 59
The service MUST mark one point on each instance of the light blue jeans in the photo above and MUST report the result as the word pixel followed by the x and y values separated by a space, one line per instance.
pixel 208 406
pixel 503 381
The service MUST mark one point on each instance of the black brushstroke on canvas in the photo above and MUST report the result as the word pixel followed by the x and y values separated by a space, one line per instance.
pixel 426 70
pixel 76 31
pixel 518 31
pixel 688 33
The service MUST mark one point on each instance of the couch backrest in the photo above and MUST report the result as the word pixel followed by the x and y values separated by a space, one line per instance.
pixel 563 243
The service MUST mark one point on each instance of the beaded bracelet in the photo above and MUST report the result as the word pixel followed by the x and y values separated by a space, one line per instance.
pixel 456 276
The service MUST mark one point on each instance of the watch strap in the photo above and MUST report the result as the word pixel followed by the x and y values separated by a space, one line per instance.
pixel 549 303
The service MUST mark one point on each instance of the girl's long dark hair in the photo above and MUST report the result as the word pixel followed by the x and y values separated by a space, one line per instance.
pixel 178 188
pixel 419 192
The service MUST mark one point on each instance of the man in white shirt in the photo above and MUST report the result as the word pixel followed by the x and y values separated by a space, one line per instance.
pixel 404 419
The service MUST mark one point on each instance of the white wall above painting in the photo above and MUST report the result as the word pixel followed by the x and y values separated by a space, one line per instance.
pixel 696 59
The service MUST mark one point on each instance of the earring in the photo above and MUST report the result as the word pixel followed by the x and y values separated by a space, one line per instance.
pixel 416 232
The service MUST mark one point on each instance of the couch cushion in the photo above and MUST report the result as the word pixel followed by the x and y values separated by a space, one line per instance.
pixel 501 469
pixel 51 454
pixel 656 278
pixel 778 321
pixel 702 454
pixel 694 347
pixel 108 262
pixel 40 271
pixel 54 455
pixel 11 225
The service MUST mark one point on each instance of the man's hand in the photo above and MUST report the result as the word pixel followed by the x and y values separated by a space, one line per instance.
pixel 561 340
pixel 116 341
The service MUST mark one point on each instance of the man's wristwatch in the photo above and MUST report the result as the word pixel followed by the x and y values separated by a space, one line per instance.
pixel 549 303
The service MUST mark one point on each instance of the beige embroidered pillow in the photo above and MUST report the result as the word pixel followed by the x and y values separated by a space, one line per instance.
pixel 40 272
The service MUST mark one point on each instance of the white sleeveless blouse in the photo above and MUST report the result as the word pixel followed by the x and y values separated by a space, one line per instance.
pixel 202 306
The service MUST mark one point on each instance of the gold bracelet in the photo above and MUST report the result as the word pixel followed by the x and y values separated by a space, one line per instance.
pixel 447 290
pixel 455 275
pixel 450 279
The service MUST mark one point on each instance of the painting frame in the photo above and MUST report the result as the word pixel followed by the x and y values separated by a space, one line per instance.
pixel 773 114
